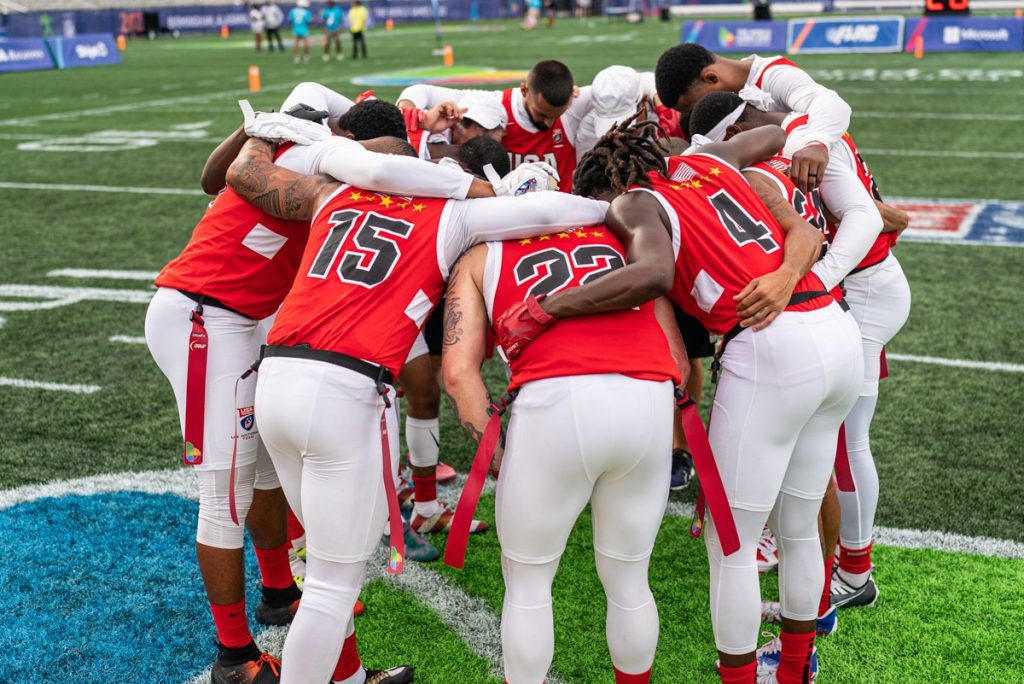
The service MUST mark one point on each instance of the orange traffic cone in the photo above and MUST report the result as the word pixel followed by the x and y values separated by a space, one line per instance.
pixel 448 56
pixel 919 47
pixel 224 31
pixel 389 25
pixel 254 79
pixel 122 44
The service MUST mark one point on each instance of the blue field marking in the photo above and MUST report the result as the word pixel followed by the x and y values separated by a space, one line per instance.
pixel 105 588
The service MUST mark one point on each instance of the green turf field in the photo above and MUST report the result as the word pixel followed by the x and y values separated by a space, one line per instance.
pixel 947 439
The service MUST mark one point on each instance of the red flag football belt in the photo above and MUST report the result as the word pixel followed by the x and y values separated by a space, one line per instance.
pixel 195 388
pixel 382 378
pixel 844 474
pixel 458 536
pixel 712 492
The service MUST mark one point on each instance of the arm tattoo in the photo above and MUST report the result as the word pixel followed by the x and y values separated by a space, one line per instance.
pixel 452 309
pixel 272 188
pixel 772 197
pixel 471 431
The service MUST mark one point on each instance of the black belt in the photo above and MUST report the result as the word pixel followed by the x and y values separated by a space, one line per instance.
pixel 203 300
pixel 379 374
pixel 864 268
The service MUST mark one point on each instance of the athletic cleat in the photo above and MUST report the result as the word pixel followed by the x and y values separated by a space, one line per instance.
pixel 682 470
pixel 297 561
pixel 265 670
pixel 417 548
pixel 445 473
pixel 768 657
pixel 829 622
pixel 403 674
pixel 846 596
pixel 442 522
pixel 265 615
pixel 767 552
pixel 406 495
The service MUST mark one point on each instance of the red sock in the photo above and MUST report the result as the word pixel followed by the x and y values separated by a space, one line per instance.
pixel 826 594
pixel 275 569
pixel 425 488
pixel 294 527
pixel 232 624
pixel 855 561
pixel 744 674
pixel 795 660
pixel 623 678
pixel 348 662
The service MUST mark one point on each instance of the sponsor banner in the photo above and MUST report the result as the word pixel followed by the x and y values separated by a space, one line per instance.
pixel 966 34
pixel 89 49
pixel 736 36
pixel 208 19
pixel 964 221
pixel 24 54
pixel 876 34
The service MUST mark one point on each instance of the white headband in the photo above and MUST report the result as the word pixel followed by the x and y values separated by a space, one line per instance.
pixel 751 95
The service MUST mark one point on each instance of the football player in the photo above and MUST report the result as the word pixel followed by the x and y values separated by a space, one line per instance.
pixel 543 115
pixel 790 361
pixel 591 423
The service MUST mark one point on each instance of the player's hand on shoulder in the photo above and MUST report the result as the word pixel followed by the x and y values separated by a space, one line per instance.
pixel 764 298
pixel 808 167
pixel 442 116
pixel 531 177
pixel 277 127
pixel 521 324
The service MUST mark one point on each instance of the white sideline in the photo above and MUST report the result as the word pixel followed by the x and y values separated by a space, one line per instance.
pixel 102 273
pixel 959 363
pixel 51 386
pixel 125 339
pixel 6 185
pixel 964 154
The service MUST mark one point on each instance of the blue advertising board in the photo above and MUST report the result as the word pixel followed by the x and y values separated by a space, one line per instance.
pixel 736 36
pixel 966 34
pixel 89 49
pixel 24 54
pixel 859 34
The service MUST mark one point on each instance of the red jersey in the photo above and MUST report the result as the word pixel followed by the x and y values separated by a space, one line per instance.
pixel 552 146
pixel 346 297
pixel 627 342
pixel 239 255
pixel 724 237
pixel 809 206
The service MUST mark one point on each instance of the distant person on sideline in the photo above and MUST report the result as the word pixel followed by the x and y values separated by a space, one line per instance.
pixel 273 17
pixel 333 17
pixel 357 18
pixel 300 16
pixel 256 25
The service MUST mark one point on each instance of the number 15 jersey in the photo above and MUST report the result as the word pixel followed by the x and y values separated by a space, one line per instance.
pixel 723 237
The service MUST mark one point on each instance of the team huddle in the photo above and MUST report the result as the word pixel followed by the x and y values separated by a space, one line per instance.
pixel 599 239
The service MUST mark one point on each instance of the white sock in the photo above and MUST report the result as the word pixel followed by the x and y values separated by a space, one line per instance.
pixel 429 508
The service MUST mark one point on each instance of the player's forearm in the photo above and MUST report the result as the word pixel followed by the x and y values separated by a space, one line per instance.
pixel 748 147
pixel 529 215
pixel 319 97
pixel 893 220
pixel 859 224
pixel 424 96
pixel 465 335
pixel 801 247
pixel 274 189
pixel 213 178
pixel 619 290
pixel 828 115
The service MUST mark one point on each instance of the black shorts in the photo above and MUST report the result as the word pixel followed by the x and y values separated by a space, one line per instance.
pixel 696 338
pixel 433 329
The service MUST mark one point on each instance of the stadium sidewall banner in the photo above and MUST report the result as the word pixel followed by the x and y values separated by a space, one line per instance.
pixel 24 54
pixel 736 36
pixel 966 34
pixel 876 34
pixel 88 49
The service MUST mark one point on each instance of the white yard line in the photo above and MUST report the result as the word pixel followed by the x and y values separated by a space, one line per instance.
pixel 74 187
pixel 125 339
pixel 960 116
pixel 959 363
pixel 963 154
pixel 49 386
pixel 102 273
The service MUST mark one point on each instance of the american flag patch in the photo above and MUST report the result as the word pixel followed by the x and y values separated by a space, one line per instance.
pixel 683 173
pixel 779 165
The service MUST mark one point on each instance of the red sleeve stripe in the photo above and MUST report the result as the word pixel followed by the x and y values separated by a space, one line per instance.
pixel 796 123
pixel 781 61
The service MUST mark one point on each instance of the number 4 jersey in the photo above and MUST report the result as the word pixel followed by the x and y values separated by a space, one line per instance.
pixel 628 342
pixel 723 237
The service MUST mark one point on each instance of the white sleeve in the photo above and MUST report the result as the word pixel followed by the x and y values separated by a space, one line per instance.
pixel 426 96
pixel 349 162
pixel 859 220
pixel 509 218
pixel 581 106
pixel 828 114
pixel 318 97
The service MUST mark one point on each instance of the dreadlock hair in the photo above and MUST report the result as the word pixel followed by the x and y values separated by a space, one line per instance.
pixel 711 109
pixel 621 158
